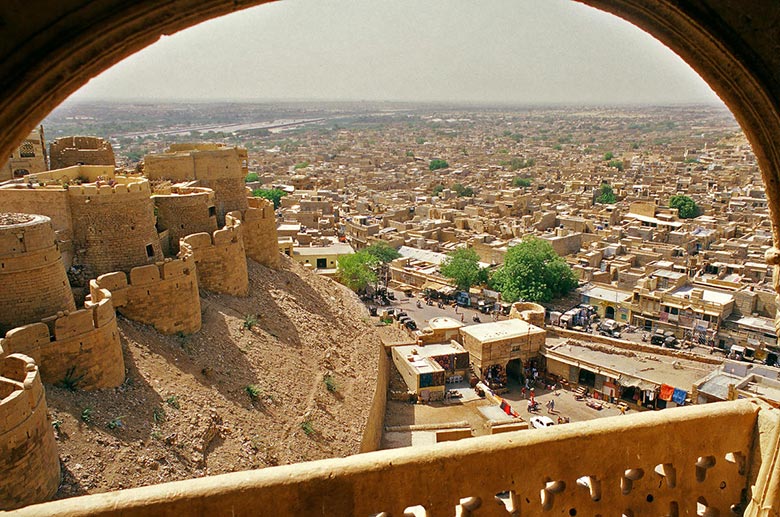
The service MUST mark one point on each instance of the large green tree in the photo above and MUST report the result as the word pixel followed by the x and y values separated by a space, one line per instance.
pixel 606 196
pixel 382 251
pixel 273 194
pixel 356 271
pixel 438 163
pixel 462 266
pixel 686 207
pixel 533 271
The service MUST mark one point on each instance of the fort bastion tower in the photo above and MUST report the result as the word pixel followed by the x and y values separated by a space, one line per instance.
pixel 32 275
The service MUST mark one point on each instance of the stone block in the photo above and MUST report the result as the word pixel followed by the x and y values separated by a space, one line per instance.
pixel 144 275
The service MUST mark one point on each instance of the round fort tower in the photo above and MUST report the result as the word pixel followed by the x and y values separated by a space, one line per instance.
pixel 35 284
pixel 29 459
pixel 184 211
pixel 114 225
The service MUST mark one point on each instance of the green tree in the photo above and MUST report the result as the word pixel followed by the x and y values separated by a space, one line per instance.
pixel 301 165
pixel 618 164
pixel 608 156
pixel 438 164
pixel 437 189
pixel 462 266
pixel 607 196
pixel 533 271
pixel 356 271
pixel 521 182
pixel 686 207
pixel 272 194
pixel 463 191
pixel 382 251
pixel 252 176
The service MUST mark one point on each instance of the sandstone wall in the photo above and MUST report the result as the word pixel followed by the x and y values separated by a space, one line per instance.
pixel 219 168
pixel 229 194
pixel 51 202
pixel 259 232
pixel 164 295
pixel 372 434
pixel 73 150
pixel 33 282
pixel 530 312
pixel 29 462
pixel 81 345
pixel 220 259
pixel 185 211
pixel 114 226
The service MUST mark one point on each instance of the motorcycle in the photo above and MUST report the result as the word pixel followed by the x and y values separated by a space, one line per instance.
pixel 533 407
pixel 419 304
pixel 476 319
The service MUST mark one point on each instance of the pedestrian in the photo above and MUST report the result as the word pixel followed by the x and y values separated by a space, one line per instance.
pixel 462 317
pixel 552 406
pixel 548 406
pixel 522 392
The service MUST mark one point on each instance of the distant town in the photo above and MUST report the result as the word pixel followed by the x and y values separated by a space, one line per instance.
pixel 520 266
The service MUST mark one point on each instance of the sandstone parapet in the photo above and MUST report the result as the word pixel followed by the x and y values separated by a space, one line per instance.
pixel 164 295
pixel 184 211
pixel 82 346
pixel 220 258
pixel 259 232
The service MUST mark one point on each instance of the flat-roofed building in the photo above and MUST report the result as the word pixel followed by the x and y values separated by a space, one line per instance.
pixel 426 369
pixel 493 346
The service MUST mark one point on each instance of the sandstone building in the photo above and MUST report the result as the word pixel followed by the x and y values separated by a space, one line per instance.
pixel 80 150
pixel 28 158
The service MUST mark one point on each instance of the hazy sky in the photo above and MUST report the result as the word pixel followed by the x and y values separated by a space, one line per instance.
pixel 510 51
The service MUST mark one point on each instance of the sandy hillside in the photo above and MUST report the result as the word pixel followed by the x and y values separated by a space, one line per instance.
pixel 185 411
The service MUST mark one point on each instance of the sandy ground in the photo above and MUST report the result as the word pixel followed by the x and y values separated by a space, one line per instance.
pixel 185 410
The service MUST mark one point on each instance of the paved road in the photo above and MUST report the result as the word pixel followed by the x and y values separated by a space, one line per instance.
pixel 424 314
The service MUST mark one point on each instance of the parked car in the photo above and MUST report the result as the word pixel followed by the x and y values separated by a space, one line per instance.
pixel 540 422
pixel 608 327
pixel 410 324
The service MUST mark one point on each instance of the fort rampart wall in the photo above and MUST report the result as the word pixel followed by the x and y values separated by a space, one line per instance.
pixel 72 150
pixel 82 346
pixel 259 232
pixel 32 275
pixel 220 258
pixel 219 168
pixel 114 225
pixel 164 295
pixel 29 461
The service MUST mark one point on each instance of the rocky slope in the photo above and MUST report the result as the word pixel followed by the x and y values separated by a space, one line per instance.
pixel 295 386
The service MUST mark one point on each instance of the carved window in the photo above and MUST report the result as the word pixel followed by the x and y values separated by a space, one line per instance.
pixel 26 150
pixel 20 173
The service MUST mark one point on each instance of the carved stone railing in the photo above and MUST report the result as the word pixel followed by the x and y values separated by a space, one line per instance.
pixel 702 460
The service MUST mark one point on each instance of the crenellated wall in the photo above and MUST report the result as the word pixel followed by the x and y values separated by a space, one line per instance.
pixel 33 282
pixel 259 231
pixel 114 225
pixel 164 295
pixel 219 258
pixel 87 150
pixel 81 345
pixel 29 461
pixel 184 211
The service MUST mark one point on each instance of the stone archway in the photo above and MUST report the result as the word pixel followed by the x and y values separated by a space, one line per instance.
pixel 55 46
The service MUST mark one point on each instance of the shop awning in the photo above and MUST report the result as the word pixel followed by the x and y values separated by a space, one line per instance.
pixel 632 382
